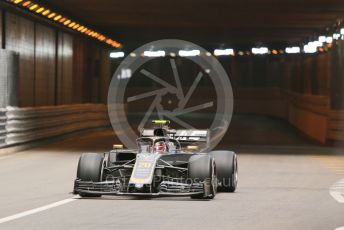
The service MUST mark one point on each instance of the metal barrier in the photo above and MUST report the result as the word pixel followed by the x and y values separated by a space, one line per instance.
pixel 20 125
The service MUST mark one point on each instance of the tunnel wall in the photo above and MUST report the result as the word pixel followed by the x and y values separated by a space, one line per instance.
pixel 306 90
pixel 56 66
pixel 308 106
pixel 335 129
pixel 256 86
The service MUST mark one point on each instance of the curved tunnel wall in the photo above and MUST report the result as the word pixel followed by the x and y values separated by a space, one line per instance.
pixel 58 67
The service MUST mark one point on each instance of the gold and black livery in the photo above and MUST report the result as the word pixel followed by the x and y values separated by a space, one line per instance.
pixel 167 162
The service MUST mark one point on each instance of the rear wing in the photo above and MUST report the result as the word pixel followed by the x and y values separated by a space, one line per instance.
pixel 183 135
pixel 192 135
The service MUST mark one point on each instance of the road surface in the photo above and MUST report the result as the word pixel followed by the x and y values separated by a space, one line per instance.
pixel 280 189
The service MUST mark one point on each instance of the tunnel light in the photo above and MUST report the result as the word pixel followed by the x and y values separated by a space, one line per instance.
pixel 57 17
pixel 207 54
pixel 336 36
pixel 81 28
pixel 116 44
pixel 33 7
pixel 223 52
pixel 76 26
pixel 71 25
pixel 310 48
pixel 342 31
pixel 46 12
pixel 172 54
pixel 132 54
pixel 293 50
pixel 51 15
pixel 67 22
pixel 189 53
pixel 322 38
pixel 274 52
pixel 39 9
pixel 101 37
pixel 25 4
pixel 329 39
pixel 316 43
pixel 157 53
pixel 116 54
pixel 260 50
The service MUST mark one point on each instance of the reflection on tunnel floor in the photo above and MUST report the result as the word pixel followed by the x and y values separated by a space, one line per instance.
pixel 250 129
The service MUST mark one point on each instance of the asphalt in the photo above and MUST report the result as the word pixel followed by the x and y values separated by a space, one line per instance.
pixel 275 191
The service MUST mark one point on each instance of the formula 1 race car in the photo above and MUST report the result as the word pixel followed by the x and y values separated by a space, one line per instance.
pixel 164 164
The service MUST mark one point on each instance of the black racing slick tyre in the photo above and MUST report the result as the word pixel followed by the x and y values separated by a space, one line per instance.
pixel 90 169
pixel 202 168
pixel 226 169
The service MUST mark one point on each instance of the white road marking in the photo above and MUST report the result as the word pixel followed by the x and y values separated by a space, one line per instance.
pixel 340 228
pixel 337 191
pixel 37 210
pixel 338 196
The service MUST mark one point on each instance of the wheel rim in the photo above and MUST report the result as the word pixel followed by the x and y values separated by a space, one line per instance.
pixel 102 170
pixel 235 176
pixel 214 179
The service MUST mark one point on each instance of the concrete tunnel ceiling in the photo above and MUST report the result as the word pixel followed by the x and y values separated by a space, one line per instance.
pixel 209 23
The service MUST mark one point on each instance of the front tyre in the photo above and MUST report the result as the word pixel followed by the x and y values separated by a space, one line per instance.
pixel 202 168
pixel 227 170
pixel 90 168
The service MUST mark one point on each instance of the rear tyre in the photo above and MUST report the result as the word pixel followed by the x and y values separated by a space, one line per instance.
pixel 227 170
pixel 90 169
pixel 202 168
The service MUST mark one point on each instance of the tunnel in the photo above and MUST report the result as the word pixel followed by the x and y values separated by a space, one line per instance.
pixel 264 78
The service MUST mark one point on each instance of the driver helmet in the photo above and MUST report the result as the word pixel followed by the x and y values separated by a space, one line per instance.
pixel 160 147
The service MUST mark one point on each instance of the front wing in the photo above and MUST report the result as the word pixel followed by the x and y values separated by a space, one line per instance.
pixel 166 188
